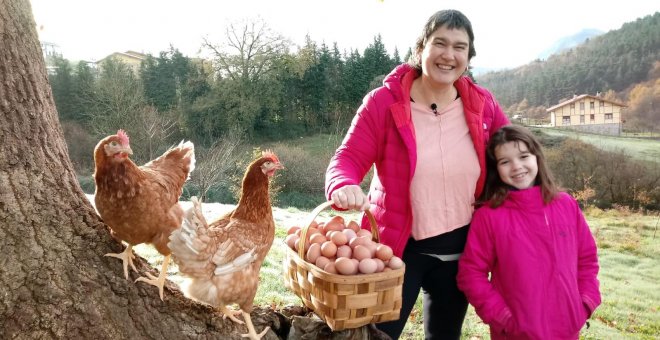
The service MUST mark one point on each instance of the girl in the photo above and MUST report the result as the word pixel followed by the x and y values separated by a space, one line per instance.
pixel 534 242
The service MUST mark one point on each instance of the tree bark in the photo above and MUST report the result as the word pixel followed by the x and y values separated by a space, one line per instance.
pixel 55 282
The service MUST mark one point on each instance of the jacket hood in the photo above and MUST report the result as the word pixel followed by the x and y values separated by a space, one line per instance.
pixel 394 81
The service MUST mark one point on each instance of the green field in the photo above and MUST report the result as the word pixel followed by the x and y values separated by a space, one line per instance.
pixel 629 255
pixel 638 148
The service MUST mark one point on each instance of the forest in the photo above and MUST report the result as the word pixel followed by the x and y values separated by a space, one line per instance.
pixel 259 88
pixel 623 65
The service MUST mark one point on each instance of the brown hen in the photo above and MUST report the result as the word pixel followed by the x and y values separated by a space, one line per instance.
pixel 140 203
pixel 223 258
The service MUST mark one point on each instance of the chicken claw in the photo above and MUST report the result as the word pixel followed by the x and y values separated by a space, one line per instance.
pixel 252 333
pixel 231 314
pixel 157 281
pixel 127 257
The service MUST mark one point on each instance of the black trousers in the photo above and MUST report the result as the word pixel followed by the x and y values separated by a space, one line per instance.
pixel 444 304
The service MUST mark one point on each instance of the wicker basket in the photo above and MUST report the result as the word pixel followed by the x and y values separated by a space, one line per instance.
pixel 343 301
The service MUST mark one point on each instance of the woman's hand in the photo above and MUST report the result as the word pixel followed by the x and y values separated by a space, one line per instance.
pixel 350 197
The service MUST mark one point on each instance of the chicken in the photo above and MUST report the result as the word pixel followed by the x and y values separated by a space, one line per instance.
pixel 223 258
pixel 140 204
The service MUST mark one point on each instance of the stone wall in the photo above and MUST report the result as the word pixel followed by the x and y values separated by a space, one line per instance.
pixel 613 129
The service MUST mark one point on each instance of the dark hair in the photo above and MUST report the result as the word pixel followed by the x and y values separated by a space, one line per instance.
pixel 450 18
pixel 495 191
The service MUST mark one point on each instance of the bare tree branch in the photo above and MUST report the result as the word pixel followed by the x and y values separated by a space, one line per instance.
pixel 213 163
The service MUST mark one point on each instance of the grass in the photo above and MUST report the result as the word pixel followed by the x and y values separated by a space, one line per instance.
pixel 629 255
pixel 638 148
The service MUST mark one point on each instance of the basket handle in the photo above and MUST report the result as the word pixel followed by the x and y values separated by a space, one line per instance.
pixel 312 216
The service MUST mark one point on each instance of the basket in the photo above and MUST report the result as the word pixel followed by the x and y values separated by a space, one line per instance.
pixel 343 301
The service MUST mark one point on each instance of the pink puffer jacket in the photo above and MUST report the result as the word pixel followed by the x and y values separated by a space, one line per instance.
pixel 382 133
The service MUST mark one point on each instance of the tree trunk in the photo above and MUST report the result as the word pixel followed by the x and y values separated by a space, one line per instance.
pixel 54 280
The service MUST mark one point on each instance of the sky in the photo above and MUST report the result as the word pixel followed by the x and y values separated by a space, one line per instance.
pixel 508 33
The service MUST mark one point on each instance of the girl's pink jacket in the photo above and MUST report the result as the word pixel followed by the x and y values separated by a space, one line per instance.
pixel 543 265
pixel 382 133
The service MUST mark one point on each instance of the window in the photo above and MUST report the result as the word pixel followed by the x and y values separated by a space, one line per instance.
pixel 592 105
pixel 582 106
pixel 608 116
pixel 601 103
pixel 566 120
pixel 572 105
pixel 592 118
pixel 581 119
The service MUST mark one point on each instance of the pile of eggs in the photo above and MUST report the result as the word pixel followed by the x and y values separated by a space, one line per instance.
pixel 341 248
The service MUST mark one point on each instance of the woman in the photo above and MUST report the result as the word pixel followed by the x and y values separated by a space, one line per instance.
pixel 425 130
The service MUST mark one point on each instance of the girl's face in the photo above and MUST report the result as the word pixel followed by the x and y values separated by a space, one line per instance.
pixel 516 166
pixel 445 55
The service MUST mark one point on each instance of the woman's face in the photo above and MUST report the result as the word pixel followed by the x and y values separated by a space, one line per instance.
pixel 445 55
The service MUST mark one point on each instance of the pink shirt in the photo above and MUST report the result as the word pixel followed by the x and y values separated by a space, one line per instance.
pixel 443 186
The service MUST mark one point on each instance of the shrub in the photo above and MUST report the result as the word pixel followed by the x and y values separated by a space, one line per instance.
pixel 81 147
pixel 87 184
pixel 304 172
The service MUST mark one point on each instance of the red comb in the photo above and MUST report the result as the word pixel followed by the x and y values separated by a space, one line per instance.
pixel 123 137
pixel 270 154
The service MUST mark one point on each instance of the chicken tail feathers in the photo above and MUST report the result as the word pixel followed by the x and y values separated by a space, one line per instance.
pixel 190 243
pixel 178 163
pixel 189 149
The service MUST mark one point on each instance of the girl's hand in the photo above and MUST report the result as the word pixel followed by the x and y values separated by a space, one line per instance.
pixel 350 197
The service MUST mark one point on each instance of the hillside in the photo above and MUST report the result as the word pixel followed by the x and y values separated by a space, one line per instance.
pixel 614 61
pixel 570 42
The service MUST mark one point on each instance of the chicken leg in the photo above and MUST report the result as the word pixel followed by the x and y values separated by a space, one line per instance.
pixel 157 281
pixel 252 333
pixel 127 258
pixel 231 314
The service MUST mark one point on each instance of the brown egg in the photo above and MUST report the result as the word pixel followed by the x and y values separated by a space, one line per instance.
pixel 291 240
pixel 353 226
pixel 328 249
pixel 384 252
pixel 350 234
pixel 330 268
pixel 337 218
pixel 334 226
pixel 358 241
pixel 321 261
pixel 297 244
pixel 367 266
pixel 313 252
pixel 380 265
pixel 356 262
pixel 364 232
pixel 338 238
pixel 345 266
pixel 292 229
pixel 317 238
pixel 344 251
pixel 361 252
pixel 395 263
pixel 371 245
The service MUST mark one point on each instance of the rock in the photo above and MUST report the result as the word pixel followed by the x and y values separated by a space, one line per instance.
pixel 313 328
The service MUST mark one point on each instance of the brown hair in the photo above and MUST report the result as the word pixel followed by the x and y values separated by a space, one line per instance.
pixel 450 18
pixel 495 191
